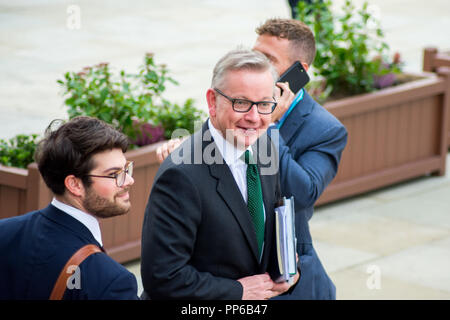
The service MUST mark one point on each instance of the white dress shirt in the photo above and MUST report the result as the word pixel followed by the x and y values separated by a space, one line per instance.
pixel 86 219
pixel 232 157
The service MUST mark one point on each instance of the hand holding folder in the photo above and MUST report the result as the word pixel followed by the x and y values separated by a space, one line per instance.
pixel 285 262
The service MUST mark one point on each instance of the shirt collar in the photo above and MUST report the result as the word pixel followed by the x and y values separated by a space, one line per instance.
pixel 86 219
pixel 297 99
pixel 229 152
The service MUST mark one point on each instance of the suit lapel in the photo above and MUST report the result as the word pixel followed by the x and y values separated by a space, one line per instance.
pixel 295 119
pixel 228 190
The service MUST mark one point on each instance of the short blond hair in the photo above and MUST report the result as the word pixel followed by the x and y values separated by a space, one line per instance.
pixel 300 36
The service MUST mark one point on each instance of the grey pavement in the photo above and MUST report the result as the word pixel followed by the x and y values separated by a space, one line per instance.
pixel 393 243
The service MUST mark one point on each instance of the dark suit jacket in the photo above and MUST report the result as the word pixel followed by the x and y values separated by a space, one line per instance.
pixel 34 249
pixel 311 144
pixel 198 237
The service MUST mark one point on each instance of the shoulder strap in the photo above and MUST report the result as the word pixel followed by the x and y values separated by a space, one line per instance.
pixel 77 258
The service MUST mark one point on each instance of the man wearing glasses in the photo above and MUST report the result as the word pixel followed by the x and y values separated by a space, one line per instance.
pixel 83 163
pixel 208 226
pixel 311 144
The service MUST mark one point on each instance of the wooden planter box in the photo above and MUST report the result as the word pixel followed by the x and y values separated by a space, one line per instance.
pixel 394 134
pixel 23 190
pixel 432 61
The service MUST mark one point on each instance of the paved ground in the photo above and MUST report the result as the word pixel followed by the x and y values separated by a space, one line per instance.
pixel 389 244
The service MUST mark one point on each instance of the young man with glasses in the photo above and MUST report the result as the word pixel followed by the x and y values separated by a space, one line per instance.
pixel 208 230
pixel 83 163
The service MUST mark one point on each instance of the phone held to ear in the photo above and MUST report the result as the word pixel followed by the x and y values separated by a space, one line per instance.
pixel 296 76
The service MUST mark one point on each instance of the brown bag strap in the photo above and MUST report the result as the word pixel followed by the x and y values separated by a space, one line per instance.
pixel 77 258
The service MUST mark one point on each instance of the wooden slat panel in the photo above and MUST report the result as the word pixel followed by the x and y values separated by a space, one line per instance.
pixel 370 134
pixel 344 169
pixel 107 229
pixel 9 201
pixel 416 130
pixel 392 133
pixel 385 98
pixel 402 135
pixel 435 105
pixel 358 146
pixel 22 202
pixel 121 229
pixel 14 177
pixel 380 131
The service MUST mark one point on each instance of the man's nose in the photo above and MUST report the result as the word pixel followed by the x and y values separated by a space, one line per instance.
pixel 252 114
pixel 129 181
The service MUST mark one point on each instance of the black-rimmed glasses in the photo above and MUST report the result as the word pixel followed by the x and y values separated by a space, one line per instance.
pixel 244 105
pixel 120 175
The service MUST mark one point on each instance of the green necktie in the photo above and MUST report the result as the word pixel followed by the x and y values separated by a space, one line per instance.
pixel 255 200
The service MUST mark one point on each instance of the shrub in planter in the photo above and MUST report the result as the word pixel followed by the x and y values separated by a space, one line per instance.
pixel 18 151
pixel 351 57
pixel 132 103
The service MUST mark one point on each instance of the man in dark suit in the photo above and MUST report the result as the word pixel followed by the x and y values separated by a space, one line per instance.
pixel 311 144
pixel 83 163
pixel 202 238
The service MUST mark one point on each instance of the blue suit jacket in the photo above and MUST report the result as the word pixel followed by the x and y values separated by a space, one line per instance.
pixel 311 144
pixel 35 247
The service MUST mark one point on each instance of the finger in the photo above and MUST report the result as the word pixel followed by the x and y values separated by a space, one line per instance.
pixel 169 145
pixel 159 155
pixel 285 87
pixel 166 153
pixel 277 92
pixel 280 288
pixel 173 144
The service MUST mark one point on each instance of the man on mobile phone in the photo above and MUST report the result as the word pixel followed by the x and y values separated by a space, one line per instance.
pixel 311 144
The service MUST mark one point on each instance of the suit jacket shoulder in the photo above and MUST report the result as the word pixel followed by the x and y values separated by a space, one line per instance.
pixel 36 248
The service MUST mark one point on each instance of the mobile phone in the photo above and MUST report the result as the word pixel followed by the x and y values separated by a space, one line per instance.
pixel 296 76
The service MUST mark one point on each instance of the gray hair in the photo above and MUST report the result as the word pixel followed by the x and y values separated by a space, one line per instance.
pixel 241 59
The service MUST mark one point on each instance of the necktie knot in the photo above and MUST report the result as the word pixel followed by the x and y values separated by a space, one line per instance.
pixel 248 158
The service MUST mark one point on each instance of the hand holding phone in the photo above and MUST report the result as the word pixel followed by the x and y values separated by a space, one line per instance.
pixel 296 76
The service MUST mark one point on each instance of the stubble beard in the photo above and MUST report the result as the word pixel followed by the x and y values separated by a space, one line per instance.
pixel 105 208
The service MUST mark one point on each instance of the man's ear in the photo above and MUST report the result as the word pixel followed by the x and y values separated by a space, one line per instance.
pixel 211 100
pixel 74 185
pixel 305 66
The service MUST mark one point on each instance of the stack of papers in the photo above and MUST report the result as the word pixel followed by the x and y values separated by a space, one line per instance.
pixel 286 242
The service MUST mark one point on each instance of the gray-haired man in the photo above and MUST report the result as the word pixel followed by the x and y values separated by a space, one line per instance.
pixel 202 236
